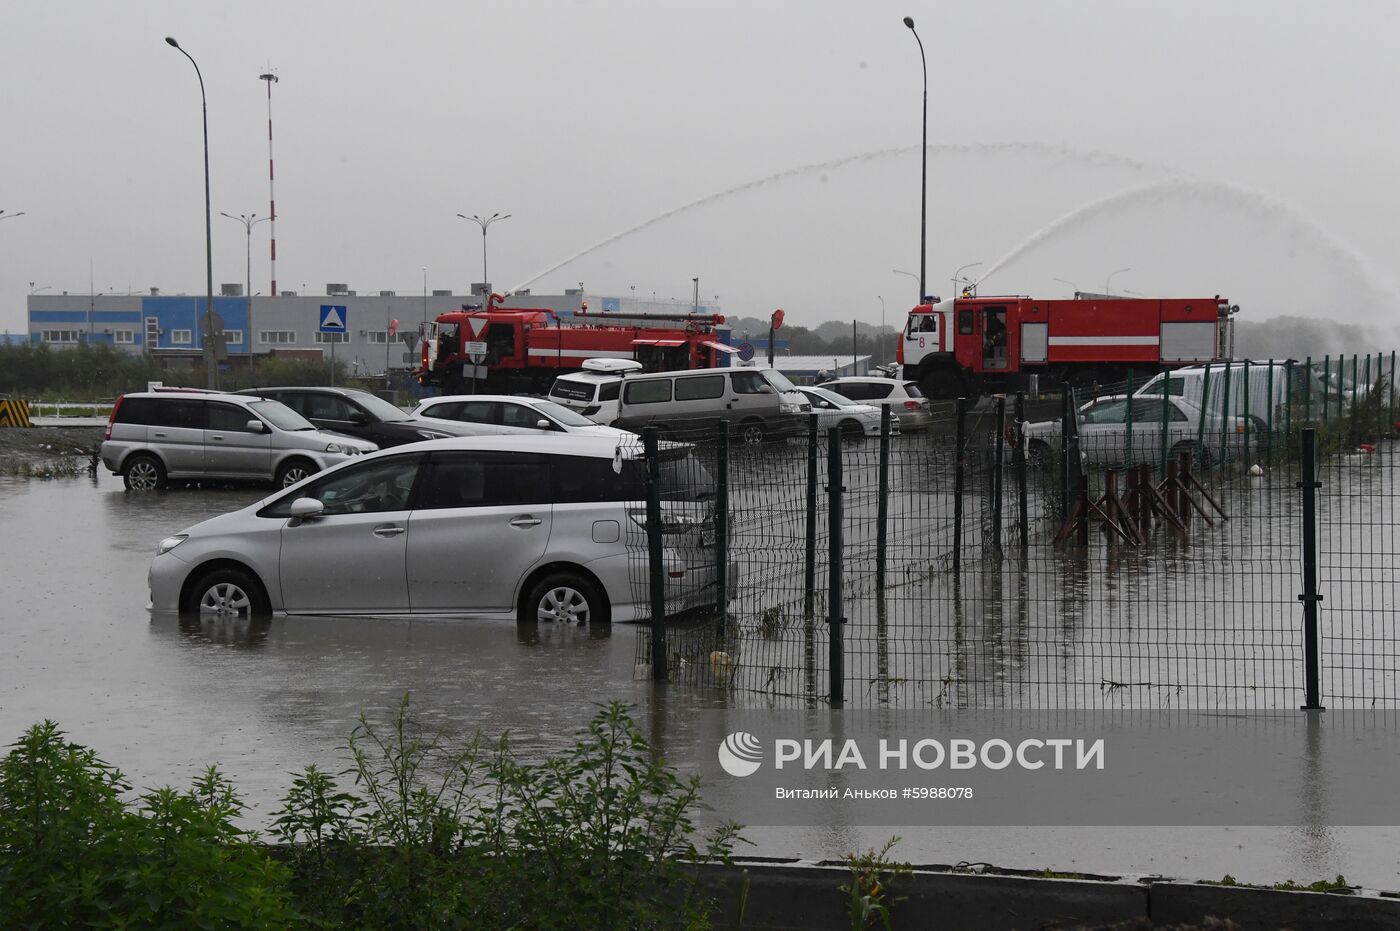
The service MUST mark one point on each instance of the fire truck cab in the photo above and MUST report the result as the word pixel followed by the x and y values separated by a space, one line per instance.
pixel 974 345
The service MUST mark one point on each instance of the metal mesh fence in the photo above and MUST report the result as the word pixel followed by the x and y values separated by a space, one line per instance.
pixel 1118 547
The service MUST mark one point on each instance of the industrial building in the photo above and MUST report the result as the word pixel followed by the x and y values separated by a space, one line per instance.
pixel 359 331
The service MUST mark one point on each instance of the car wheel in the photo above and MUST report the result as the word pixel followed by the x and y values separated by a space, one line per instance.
pixel 852 431
pixel 565 598
pixel 293 471
pixel 227 593
pixel 143 472
pixel 751 432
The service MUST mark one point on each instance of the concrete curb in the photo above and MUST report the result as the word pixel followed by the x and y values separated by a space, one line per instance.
pixel 790 897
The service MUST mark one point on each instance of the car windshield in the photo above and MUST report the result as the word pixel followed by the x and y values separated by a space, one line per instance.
pixel 683 477
pixel 280 415
pixel 831 396
pixel 912 389
pixel 379 408
pixel 778 380
pixel 562 414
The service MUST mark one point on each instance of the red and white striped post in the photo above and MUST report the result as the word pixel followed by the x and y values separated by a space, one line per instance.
pixel 271 79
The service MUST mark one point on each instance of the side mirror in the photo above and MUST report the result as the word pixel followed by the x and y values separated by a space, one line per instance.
pixel 307 508
pixel 544 424
pixel 765 389
pixel 359 417
pixel 254 426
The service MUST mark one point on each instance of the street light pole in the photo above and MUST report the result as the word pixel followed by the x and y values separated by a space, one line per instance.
pixel 248 223
pixel 695 306
pixel 923 185
pixel 210 356
pixel 10 216
pixel 1108 282
pixel 484 224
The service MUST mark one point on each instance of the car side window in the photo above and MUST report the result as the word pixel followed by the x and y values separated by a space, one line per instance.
pixel 586 479
pixel 747 382
pixel 329 407
pixel 229 418
pixel 136 411
pixel 187 415
pixel 610 391
pixel 301 403
pixel 1108 412
pixel 463 480
pixel 653 391
pixel 699 387
pixel 484 412
pixel 875 391
pixel 371 487
pixel 521 415
pixel 448 411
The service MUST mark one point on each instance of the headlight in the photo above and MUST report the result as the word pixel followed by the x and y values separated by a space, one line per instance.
pixel 169 543
pixel 432 435
pixel 791 407
pixel 337 448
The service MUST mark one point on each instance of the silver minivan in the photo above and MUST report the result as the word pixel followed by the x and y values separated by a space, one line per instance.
pixel 760 404
pixel 156 436
pixel 542 528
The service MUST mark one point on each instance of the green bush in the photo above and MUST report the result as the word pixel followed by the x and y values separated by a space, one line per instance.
pixel 431 836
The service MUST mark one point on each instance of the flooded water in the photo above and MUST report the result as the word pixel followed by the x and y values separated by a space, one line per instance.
pixel 161 698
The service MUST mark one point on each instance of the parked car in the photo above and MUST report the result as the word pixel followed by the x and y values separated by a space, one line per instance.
pixel 1265 387
pixel 544 528
pixel 485 414
pixel 902 397
pixel 854 420
pixel 594 391
pixel 154 437
pixel 356 413
pixel 760 404
pixel 1103 432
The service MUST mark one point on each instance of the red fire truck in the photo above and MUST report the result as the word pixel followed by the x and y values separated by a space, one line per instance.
pixel 522 349
pixel 976 345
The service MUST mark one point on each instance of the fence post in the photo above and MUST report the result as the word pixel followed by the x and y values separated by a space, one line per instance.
pixel 999 460
pixel 1269 427
pixel 1390 426
pixel 656 572
pixel 1018 459
pixel 958 443
pixel 1309 485
pixel 810 577
pixel 1128 420
pixel 1326 387
pixel 1225 427
pixel 1162 440
pixel 722 529
pixel 1307 390
pixel 1205 408
pixel 1248 417
pixel 882 514
pixel 1287 406
pixel 835 604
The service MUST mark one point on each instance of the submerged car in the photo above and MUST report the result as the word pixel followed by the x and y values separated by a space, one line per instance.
pixel 853 419
pixel 155 437
pixel 903 397
pixel 542 528
pixel 1104 433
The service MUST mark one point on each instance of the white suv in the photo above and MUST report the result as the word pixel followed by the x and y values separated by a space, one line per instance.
pixel 903 398
pixel 544 528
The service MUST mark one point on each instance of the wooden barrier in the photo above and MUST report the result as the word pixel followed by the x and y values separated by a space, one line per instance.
pixel 14 414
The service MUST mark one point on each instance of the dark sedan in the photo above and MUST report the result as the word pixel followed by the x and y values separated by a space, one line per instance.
pixel 356 413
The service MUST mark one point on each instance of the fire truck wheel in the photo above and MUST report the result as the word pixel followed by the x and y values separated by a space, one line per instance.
pixel 751 432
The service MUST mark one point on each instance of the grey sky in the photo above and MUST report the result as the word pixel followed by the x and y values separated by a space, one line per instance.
pixel 1260 140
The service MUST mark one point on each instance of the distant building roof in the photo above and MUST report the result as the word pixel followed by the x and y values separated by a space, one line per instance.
pixel 786 363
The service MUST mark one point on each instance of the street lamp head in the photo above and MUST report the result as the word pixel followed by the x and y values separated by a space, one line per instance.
pixel 171 42
pixel 908 21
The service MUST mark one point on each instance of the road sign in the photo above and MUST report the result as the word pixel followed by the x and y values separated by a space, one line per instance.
pixel 475 350
pixel 745 352
pixel 333 318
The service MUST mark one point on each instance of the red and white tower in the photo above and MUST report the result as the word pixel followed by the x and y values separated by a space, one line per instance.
pixel 271 79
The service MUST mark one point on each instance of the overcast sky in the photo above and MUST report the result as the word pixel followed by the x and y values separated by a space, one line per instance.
pixel 1242 148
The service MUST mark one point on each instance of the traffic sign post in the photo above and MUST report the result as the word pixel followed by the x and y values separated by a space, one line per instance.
pixel 333 320
pixel 476 351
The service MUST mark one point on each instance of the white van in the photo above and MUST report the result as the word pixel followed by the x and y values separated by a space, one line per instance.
pixel 1267 379
pixel 593 392
pixel 760 404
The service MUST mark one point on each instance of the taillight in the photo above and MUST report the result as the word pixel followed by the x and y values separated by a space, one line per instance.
pixel 911 405
pixel 113 416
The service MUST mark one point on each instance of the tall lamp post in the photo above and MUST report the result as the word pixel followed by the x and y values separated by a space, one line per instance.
pixel 10 216
pixel 484 224
pixel 1108 282
pixel 1074 288
pixel 211 364
pixel 923 186
pixel 248 223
